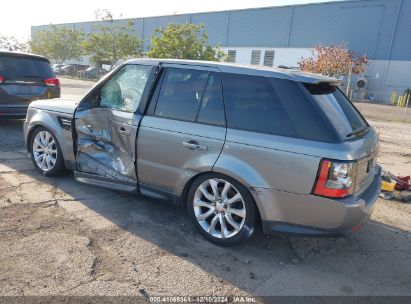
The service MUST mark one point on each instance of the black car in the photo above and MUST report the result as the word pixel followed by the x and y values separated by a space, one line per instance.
pixel 94 73
pixel 72 69
pixel 24 78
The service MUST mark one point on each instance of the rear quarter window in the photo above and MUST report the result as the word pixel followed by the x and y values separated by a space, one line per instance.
pixel 273 106
pixel 252 105
pixel 340 111
pixel 310 123
pixel 15 67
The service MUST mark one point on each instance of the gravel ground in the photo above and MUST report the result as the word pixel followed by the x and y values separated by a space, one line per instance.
pixel 385 112
pixel 60 237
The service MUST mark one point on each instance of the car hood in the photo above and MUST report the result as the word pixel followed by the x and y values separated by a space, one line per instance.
pixel 63 105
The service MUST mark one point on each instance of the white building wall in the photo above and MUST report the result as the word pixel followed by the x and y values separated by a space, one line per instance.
pixel 282 56
pixel 385 77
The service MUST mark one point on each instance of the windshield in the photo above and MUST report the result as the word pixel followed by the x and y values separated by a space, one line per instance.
pixel 341 112
pixel 19 67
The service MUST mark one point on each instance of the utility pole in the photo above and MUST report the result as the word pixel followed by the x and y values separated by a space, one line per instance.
pixel 349 79
pixel 408 96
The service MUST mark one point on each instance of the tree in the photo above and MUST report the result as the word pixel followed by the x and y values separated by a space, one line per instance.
pixel 183 41
pixel 335 61
pixel 111 41
pixel 13 44
pixel 59 43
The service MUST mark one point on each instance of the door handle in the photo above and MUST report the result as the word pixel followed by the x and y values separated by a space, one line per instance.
pixel 194 145
pixel 123 131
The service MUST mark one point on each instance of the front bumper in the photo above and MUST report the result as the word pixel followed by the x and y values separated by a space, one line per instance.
pixel 283 212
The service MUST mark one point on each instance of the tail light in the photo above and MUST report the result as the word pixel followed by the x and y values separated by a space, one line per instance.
pixel 335 179
pixel 2 79
pixel 52 82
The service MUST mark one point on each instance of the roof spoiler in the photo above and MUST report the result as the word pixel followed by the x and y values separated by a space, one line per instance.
pixel 23 54
pixel 330 82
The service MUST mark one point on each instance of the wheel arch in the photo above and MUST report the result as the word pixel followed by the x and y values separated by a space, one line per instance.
pixel 50 122
pixel 30 134
pixel 34 127
pixel 188 184
pixel 58 166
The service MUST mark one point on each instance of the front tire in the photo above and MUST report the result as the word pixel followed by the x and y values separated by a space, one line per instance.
pixel 46 153
pixel 222 209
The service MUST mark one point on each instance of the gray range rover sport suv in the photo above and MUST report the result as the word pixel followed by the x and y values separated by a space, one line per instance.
pixel 240 147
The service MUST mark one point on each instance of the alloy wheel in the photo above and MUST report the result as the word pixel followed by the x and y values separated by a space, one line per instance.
pixel 44 150
pixel 219 208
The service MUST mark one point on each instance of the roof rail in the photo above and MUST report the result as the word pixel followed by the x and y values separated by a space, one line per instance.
pixel 283 67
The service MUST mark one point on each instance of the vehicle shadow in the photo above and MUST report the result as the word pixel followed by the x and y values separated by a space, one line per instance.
pixel 267 265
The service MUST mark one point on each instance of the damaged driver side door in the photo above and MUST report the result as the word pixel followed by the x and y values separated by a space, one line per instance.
pixel 106 124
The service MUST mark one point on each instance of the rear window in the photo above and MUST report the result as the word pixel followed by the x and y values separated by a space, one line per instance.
pixel 17 67
pixel 340 111
pixel 273 106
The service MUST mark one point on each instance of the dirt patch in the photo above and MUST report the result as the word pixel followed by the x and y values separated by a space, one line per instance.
pixel 41 251
pixel 395 146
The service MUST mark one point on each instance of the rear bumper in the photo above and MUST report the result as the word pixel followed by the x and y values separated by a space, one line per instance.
pixel 14 106
pixel 317 216
pixel 13 112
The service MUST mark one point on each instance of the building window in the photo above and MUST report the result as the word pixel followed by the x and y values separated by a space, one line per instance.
pixel 268 58
pixel 231 55
pixel 255 57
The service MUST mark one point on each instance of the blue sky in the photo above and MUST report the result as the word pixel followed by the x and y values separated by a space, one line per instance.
pixel 16 17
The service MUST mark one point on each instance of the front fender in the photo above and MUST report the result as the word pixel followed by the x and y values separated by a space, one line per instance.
pixel 49 120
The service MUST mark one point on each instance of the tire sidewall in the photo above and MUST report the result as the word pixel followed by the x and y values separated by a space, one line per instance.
pixel 59 167
pixel 249 226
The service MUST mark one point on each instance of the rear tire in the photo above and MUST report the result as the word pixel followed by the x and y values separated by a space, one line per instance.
pixel 46 153
pixel 222 209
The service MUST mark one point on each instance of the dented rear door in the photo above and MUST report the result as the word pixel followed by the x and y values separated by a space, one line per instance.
pixel 107 121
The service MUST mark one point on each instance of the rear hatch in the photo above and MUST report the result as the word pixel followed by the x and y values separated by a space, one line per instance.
pixel 352 129
pixel 23 79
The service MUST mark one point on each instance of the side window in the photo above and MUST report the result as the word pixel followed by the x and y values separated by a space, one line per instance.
pixel 124 90
pixel 252 105
pixel 181 94
pixel 212 107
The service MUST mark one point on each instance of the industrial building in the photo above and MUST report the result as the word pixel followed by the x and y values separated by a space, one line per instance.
pixel 274 36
